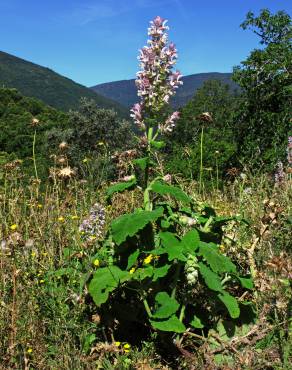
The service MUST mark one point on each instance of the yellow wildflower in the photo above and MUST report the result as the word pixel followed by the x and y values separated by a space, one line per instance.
pixel 61 219
pixel 96 262
pixel 33 254
pixel 117 344
pixel 42 281
pixel 13 227
pixel 133 269
pixel 74 217
pixel 127 347
pixel 222 248
pixel 40 206
pixel 29 350
pixel 148 259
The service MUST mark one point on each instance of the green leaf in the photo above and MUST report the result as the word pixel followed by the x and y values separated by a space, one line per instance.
pixel 246 282
pixel 129 224
pixel 172 324
pixel 132 259
pixel 141 162
pixel 196 323
pixel 88 340
pixel 172 246
pixel 160 272
pixel 104 281
pixel 165 224
pixel 190 241
pixel 157 144
pixel 211 279
pixel 165 189
pixel 230 303
pixel 121 186
pixel 217 261
pixel 167 306
pixel 143 273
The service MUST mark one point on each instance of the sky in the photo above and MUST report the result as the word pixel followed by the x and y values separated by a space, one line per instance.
pixel 97 41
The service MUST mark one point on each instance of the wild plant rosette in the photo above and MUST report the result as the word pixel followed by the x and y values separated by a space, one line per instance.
pixel 166 267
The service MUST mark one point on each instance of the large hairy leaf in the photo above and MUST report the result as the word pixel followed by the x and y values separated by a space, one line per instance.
pixel 212 280
pixel 143 273
pixel 230 303
pixel 197 323
pixel 245 282
pixel 159 272
pixel 133 258
pixel 167 306
pixel 121 186
pixel 172 324
pixel 129 224
pixel 104 281
pixel 172 246
pixel 190 241
pixel 217 261
pixel 165 189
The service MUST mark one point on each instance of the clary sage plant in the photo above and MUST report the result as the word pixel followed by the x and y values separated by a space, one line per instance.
pixel 163 261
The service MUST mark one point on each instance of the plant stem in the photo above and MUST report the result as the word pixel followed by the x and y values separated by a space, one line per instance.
pixel 147 308
pixel 201 160
pixel 217 175
pixel 176 276
pixel 33 155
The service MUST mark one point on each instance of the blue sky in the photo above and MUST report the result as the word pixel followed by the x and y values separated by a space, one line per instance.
pixel 95 41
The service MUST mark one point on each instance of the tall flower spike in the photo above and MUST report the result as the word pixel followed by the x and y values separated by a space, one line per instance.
pixel 156 82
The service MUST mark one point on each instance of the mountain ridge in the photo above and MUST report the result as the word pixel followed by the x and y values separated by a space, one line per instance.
pixel 34 80
pixel 125 92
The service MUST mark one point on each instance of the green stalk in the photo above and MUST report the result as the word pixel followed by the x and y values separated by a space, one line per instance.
pixel 149 137
pixel 201 160
pixel 33 155
pixel 181 317
pixel 176 276
pixel 217 175
pixel 182 313
pixel 147 308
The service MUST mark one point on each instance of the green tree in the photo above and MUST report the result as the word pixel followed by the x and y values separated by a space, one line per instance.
pixel 219 148
pixel 16 130
pixel 263 119
pixel 95 134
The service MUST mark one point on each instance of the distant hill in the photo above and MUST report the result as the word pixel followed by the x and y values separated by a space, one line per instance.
pixel 42 83
pixel 125 92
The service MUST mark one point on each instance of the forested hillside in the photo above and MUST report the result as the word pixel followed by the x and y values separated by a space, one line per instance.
pixel 42 83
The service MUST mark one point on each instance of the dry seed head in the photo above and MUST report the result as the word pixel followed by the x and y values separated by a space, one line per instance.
pixel 205 117
pixel 35 122
pixel 63 145
pixel 66 172
pixel 61 159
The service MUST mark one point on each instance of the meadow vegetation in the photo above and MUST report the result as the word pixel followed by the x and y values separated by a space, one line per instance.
pixel 166 245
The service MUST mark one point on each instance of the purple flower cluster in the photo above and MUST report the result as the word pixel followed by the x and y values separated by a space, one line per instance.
pixel 156 82
pixel 280 175
pixel 92 226
pixel 289 151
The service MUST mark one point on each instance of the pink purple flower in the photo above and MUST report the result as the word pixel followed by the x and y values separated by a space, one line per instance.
pixel 156 82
